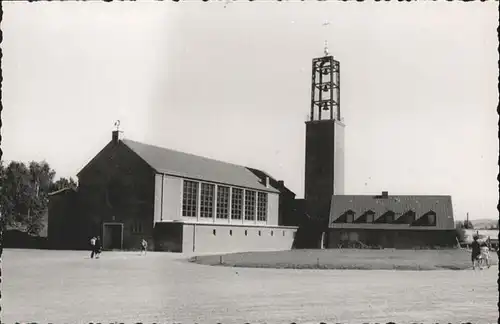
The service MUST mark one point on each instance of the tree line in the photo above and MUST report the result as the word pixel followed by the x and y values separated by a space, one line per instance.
pixel 467 224
pixel 24 194
pixel 464 225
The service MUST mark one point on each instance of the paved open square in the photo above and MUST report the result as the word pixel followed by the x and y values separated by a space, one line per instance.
pixel 67 286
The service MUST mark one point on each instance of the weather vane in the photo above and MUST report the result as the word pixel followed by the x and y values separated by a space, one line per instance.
pixel 117 125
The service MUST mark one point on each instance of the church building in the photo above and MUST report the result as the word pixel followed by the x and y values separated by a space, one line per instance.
pixel 187 203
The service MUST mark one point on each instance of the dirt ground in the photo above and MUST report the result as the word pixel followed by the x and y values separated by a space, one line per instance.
pixel 67 286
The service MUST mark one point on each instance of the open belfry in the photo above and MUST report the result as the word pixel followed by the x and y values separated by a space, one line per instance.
pixel 324 155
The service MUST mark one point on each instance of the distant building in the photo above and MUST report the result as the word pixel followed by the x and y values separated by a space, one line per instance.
pixel 179 202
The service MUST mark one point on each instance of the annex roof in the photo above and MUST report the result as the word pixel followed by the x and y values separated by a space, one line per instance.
pixel 63 190
pixel 176 163
pixel 398 204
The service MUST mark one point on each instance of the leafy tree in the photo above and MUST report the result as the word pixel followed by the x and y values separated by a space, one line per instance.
pixel 62 183
pixel 24 194
pixel 460 233
pixel 468 225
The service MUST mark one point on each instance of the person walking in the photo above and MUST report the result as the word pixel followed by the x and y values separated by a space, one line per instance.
pixel 476 251
pixel 92 246
pixel 144 246
pixel 98 247
pixel 485 252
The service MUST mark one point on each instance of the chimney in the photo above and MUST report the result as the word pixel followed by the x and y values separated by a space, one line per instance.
pixel 281 183
pixel 116 136
pixel 385 194
pixel 267 182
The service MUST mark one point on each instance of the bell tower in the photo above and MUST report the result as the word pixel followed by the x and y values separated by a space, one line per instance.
pixel 324 169
pixel 325 88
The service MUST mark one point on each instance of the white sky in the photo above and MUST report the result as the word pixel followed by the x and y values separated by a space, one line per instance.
pixel 418 87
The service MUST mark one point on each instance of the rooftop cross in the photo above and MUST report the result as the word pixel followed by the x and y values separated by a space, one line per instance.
pixel 326 24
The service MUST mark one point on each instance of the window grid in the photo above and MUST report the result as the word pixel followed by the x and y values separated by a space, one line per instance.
pixel 207 200
pixel 226 200
pixel 236 203
pixel 249 205
pixel 262 207
pixel 222 202
pixel 189 198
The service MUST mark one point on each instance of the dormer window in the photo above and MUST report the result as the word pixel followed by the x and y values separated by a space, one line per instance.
pixel 411 216
pixel 389 217
pixel 370 216
pixel 350 216
pixel 431 218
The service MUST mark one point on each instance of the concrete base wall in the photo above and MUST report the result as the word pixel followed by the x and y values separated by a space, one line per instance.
pixel 168 237
pixel 217 238
pixel 399 239
pixel 204 238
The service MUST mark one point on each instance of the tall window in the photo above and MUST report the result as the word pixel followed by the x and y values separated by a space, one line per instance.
pixel 262 206
pixel 136 227
pixel 236 203
pixel 207 200
pixel 189 198
pixel 222 202
pixel 249 205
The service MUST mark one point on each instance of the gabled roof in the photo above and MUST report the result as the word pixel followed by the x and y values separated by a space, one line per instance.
pixel 399 204
pixel 171 162
pixel 272 181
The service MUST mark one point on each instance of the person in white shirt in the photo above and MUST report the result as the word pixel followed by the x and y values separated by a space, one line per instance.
pixel 144 246
pixel 93 246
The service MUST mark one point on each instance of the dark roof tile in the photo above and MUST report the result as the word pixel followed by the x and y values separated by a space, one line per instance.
pixel 192 166
pixel 399 204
